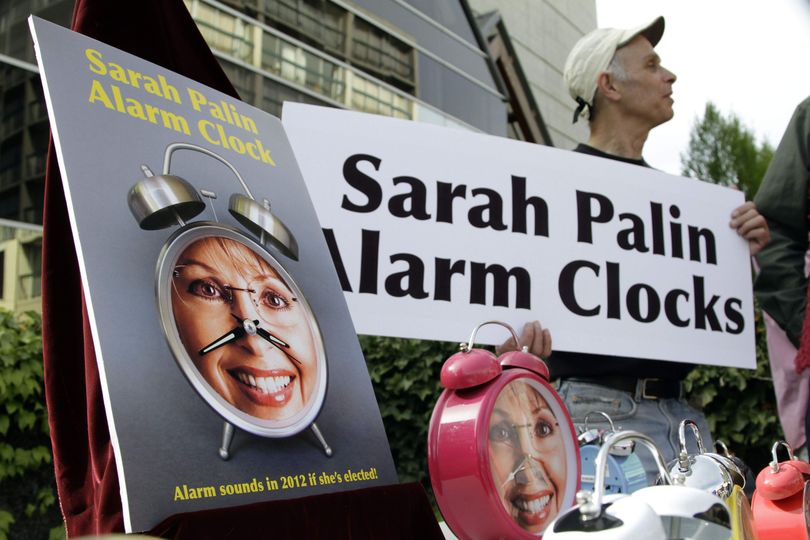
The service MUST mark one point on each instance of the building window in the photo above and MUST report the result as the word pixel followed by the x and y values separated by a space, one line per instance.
pixel 317 22
pixel 242 79
pixel 31 200
pixel 383 55
pixel 10 202
pixel 368 96
pixel 224 32
pixel 302 67
pixel 31 282
pixel 13 110
pixel 11 160
pixel 274 95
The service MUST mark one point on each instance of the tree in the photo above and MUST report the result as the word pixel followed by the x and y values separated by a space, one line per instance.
pixel 724 151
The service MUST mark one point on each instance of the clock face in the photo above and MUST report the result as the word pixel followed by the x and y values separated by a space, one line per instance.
pixel 241 330
pixel 528 454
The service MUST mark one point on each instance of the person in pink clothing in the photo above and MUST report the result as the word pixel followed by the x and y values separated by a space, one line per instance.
pixel 792 389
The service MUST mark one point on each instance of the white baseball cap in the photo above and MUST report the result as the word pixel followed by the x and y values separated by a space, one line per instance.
pixel 592 55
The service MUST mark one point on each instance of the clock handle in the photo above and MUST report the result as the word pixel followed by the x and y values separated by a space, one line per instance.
pixel 227 437
pixel 606 415
pixel 775 463
pixel 591 502
pixel 167 159
pixel 684 463
pixel 469 345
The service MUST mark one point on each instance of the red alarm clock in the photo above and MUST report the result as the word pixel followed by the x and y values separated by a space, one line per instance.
pixel 502 450
pixel 781 502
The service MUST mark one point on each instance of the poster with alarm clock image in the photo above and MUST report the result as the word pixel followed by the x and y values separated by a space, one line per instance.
pixel 230 369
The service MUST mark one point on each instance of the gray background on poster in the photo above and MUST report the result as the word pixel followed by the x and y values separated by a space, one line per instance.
pixel 168 436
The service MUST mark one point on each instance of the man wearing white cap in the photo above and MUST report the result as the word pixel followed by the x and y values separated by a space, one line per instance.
pixel 620 86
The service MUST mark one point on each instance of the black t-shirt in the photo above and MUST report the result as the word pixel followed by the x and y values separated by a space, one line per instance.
pixel 568 364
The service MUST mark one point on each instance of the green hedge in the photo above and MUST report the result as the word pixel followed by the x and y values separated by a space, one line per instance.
pixel 405 375
pixel 28 507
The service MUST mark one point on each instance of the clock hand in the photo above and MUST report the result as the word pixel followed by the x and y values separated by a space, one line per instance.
pixel 520 467
pixel 271 338
pixel 278 343
pixel 527 465
pixel 262 332
pixel 231 335
pixel 252 327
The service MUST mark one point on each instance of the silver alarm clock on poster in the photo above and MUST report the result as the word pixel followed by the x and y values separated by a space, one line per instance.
pixel 236 322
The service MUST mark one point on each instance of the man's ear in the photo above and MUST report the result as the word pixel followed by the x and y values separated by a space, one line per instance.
pixel 605 84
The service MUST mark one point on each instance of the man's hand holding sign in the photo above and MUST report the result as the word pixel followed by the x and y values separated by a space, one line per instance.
pixel 751 225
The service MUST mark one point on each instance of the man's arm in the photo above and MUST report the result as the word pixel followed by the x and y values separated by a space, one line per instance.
pixel 781 285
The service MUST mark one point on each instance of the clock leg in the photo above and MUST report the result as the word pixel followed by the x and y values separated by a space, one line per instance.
pixel 326 449
pixel 227 437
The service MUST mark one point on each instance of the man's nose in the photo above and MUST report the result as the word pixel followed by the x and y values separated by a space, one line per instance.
pixel 669 76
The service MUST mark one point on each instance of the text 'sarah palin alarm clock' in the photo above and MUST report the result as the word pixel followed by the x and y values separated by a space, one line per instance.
pixel 217 133
pixel 483 208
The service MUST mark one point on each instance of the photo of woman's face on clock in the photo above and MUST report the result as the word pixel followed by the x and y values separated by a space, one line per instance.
pixel 244 328
pixel 527 456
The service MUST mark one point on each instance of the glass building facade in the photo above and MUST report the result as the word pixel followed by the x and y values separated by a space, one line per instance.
pixel 383 57
pixel 24 135
pixel 420 60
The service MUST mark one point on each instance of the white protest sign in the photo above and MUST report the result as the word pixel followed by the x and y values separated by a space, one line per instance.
pixel 434 230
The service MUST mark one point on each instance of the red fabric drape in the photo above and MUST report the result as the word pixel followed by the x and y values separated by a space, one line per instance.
pixel 162 32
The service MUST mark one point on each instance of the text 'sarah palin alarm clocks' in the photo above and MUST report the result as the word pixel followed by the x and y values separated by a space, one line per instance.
pixel 659 233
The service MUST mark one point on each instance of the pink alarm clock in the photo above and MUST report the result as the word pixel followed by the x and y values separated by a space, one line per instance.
pixel 502 450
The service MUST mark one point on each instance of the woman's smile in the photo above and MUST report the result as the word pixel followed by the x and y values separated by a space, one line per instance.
pixel 270 388
pixel 533 509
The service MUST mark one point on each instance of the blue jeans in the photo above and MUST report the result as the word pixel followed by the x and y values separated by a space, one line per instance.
pixel 659 419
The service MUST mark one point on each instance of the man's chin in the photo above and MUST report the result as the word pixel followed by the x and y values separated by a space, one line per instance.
pixel 665 118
